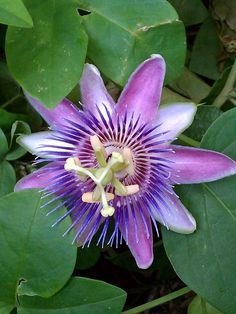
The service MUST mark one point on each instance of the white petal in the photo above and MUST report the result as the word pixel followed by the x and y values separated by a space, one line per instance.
pixel 176 217
pixel 40 178
pixel 38 143
pixel 175 118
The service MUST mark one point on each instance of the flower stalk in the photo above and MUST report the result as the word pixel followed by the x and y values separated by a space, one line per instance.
pixel 159 301
pixel 227 89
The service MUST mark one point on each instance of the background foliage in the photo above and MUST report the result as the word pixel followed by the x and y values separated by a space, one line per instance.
pixel 43 47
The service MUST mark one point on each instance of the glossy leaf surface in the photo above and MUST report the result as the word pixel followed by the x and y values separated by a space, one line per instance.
pixel 125 34
pixel 52 66
pixel 80 295
pixel 35 258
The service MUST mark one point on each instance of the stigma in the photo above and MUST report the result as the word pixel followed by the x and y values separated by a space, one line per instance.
pixel 105 174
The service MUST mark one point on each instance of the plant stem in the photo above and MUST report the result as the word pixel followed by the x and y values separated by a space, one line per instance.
pixel 224 94
pixel 189 140
pixel 166 298
pixel 11 100
pixel 232 100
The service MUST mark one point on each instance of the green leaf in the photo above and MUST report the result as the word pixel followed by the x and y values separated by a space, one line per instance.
pixel 16 151
pixel 35 258
pixel 221 136
pixel 13 12
pixel 199 306
pixel 8 118
pixel 19 128
pixel 190 12
pixel 203 119
pixel 191 86
pixel 80 295
pixel 203 59
pixel 8 178
pixel 168 96
pixel 3 144
pixel 126 33
pixel 207 257
pixel 52 66
pixel 5 308
pixel 87 257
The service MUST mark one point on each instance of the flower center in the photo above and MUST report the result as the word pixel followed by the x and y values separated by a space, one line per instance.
pixel 107 173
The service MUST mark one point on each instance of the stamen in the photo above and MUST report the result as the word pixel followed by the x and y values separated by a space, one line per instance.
pixel 98 149
pixel 104 175
pixel 129 190
pixel 88 197
pixel 132 189
pixel 120 189
pixel 127 154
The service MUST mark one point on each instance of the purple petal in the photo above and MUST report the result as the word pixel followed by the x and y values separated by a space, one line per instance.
pixel 175 118
pixel 38 179
pixel 38 143
pixel 141 246
pixel 143 90
pixel 55 117
pixel 93 91
pixel 177 217
pixel 193 165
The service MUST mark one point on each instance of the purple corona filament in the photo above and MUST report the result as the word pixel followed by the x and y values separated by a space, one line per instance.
pixel 114 165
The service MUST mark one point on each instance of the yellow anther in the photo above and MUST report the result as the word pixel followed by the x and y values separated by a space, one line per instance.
pixel 132 189
pixel 107 211
pixel 96 143
pixel 129 190
pixel 107 174
pixel 127 154
pixel 88 197
pixel 98 149
pixel 109 196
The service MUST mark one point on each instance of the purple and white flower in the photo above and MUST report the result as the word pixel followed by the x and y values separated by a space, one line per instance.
pixel 115 162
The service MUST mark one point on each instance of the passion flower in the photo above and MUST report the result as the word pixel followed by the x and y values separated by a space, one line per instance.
pixel 115 162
